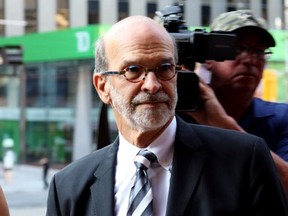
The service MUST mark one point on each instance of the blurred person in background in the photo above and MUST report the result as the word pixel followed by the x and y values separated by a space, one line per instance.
pixel 44 162
pixel 229 98
pixel 9 159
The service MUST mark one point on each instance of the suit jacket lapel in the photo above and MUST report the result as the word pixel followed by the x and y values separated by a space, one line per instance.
pixel 188 162
pixel 102 191
pixel 187 165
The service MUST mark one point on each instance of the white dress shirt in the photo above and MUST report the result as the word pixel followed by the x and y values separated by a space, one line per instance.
pixel 159 173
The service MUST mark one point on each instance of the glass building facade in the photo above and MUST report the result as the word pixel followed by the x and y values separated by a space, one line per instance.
pixel 52 67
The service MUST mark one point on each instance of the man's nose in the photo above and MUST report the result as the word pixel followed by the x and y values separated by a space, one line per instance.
pixel 248 57
pixel 151 83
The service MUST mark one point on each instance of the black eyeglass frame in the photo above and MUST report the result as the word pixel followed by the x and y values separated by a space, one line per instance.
pixel 258 53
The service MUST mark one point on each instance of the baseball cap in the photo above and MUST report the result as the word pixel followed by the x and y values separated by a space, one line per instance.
pixel 235 21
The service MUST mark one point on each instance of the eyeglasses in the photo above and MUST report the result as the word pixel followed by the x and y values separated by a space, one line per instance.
pixel 136 73
pixel 257 53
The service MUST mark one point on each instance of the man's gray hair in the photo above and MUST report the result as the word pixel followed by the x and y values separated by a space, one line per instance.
pixel 175 50
pixel 101 61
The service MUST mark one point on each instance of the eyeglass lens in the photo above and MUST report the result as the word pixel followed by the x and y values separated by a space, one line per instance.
pixel 136 73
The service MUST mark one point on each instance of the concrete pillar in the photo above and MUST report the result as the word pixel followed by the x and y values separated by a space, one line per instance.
pixel 274 12
pixel 193 12
pixel 46 13
pixel 13 88
pixel 137 7
pixel 50 76
pixel 256 6
pixel 14 16
pixel 82 139
pixel 78 11
pixel 217 7
pixel 163 3
pixel 108 11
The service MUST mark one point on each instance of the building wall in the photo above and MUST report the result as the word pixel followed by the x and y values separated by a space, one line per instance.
pixel 51 15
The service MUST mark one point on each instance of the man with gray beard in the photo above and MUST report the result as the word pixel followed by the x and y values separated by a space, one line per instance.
pixel 159 165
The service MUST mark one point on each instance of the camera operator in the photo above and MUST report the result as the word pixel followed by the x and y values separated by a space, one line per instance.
pixel 232 104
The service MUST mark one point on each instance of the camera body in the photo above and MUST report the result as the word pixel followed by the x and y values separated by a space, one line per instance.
pixel 194 46
pixel 197 45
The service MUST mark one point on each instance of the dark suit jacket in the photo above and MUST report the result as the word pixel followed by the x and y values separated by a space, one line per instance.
pixel 215 172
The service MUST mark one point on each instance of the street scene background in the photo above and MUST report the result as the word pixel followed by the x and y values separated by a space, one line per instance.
pixel 26 194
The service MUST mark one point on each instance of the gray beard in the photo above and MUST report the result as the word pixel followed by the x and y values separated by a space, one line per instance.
pixel 148 119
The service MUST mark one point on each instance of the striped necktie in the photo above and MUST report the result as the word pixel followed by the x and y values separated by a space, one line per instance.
pixel 141 198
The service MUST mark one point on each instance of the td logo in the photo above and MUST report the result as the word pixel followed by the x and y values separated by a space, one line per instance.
pixel 83 41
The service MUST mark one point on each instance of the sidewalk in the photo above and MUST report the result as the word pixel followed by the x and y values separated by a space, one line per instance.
pixel 26 194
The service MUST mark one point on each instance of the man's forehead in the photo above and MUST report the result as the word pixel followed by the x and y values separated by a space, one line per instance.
pixel 131 23
pixel 136 30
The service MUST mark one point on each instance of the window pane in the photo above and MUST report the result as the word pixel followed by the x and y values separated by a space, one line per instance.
pixel 31 16
pixel 62 16
pixel 93 12
pixel 123 9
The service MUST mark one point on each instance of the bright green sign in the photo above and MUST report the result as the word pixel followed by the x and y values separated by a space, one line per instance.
pixel 57 45
pixel 77 43
pixel 280 51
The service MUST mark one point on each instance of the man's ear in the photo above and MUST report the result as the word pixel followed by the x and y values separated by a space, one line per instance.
pixel 101 87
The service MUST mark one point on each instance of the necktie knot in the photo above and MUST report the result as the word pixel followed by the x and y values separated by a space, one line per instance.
pixel 144 159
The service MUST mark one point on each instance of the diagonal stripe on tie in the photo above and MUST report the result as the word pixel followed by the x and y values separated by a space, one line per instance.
pixel 141 199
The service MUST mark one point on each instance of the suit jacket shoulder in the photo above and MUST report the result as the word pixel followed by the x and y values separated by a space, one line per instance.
pixel 87 165
pixel 215 137
pixel 223 172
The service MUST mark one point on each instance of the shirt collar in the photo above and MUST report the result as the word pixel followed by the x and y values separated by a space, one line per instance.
pixel 162 147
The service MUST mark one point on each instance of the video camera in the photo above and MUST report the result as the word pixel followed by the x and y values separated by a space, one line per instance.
pixel 198 45
pixel 194 46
